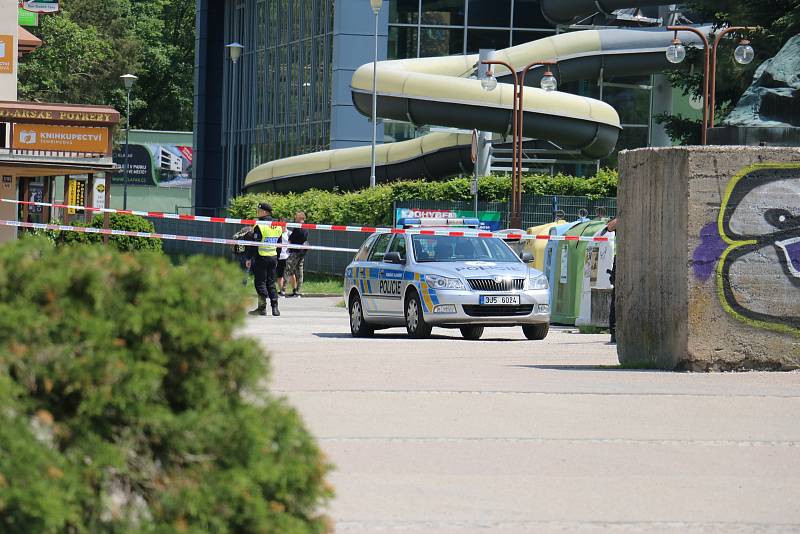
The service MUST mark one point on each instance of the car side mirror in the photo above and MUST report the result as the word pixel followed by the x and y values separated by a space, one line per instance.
pixel 527 257
pixel 393 257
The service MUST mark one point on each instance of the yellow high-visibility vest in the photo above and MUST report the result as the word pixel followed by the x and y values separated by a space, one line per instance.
pixel 269 234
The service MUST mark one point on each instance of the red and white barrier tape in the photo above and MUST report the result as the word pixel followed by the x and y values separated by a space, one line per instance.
pixel 168 237
pixel 313 226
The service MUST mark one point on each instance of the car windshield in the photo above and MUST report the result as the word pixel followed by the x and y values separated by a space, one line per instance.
pixel 428 248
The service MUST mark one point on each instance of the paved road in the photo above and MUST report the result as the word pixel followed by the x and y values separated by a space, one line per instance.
pixel 509 435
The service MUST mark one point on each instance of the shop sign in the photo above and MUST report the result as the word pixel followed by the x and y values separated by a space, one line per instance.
pixel 490 221
pixel 41 6
pixel 99 193
pixel 27 18
pixel 60 138
pixel 6 54
pixel 54 115
pixel 76 194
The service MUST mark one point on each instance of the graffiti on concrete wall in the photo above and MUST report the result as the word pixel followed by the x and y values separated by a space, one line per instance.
pixel 753 249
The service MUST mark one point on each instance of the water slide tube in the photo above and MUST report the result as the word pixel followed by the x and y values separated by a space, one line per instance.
pixel 563 12
pixel 443 91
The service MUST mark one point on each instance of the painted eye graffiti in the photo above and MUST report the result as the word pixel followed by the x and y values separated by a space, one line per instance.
pixel 758 275
pixel 782 219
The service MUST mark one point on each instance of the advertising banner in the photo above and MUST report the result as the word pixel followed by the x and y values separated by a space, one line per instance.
pixel 490 220
pixel 99 193
pixel 6 54
pixel 35 194
pixel 155 165
pixel 60 138
pixel 76 194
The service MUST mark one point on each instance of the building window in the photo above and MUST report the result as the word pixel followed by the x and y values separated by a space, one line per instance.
pixel 490 13
pixel 441 42
pixel 446 12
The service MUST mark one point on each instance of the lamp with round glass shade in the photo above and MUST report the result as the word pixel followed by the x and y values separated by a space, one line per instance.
pixel 548 81
pixel 676 52
pixel 376 5
pixel 235 51
pixel 489 83
pixel 744 53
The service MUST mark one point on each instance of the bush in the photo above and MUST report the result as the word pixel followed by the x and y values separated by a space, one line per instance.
pixel 127 403
pixel 116 221
pixel 374 206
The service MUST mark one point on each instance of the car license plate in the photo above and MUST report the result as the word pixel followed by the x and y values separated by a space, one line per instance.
pixel 500 300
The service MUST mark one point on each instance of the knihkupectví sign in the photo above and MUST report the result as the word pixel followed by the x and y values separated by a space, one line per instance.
pixel 40 6
pixel 60 138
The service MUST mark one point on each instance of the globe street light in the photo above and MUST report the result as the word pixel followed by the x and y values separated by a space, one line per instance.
pixel 676 52
pixel 376 9
pixel 128 80
pixel 744 53
pixel 490 82
pixel 230 188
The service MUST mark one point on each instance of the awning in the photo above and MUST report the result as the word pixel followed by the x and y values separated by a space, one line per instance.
pixel 27 42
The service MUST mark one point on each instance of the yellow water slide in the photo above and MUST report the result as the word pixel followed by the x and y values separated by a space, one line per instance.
pixel 444 91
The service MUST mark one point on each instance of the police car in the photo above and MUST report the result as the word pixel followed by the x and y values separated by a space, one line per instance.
pixel 420 281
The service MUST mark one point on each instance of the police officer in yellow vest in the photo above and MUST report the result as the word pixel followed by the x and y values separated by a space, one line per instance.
pixel 264 260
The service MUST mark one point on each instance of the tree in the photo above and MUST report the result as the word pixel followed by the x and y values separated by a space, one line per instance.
pixel 89 44
pixel 778 20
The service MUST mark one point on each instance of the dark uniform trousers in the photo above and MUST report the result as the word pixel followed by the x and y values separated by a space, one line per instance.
pixel 264 272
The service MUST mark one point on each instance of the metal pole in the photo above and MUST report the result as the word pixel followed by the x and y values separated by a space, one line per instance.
pixel 712 98
pixel 706 51
pixel 226 189
pixel 374 104
pixel 127 138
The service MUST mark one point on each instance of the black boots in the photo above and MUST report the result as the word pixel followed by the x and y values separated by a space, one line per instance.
pixel 275 311
pixel 262 307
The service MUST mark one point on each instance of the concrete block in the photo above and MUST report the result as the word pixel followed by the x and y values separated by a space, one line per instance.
pixel 601 306
pixel 708 258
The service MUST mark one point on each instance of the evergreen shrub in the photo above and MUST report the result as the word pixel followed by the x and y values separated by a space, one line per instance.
pixel 374 206
pixel 127 404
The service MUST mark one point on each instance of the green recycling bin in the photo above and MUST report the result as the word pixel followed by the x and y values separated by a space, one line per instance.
pixel 568 270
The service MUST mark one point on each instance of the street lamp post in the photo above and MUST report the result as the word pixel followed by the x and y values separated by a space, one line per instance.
pixel 128 80
pixel 743 55
pixel 376 8
pixel 676 53
pixel 229 189
pixel 548 83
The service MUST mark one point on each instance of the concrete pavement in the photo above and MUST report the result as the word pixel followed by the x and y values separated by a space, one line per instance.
pixel 509 435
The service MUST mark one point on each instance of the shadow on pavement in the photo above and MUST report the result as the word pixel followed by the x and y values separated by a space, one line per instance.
pixel 434 337
pixel 579 367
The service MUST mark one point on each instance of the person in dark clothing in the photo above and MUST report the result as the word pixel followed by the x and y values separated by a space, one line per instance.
pixel 612 313
pixel 263 260
pixel 294 265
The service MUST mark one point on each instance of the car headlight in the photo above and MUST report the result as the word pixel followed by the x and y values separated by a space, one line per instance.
pixel 442 282
pixel 538 282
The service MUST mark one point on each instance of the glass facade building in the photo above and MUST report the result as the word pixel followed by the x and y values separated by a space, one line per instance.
pixel 289 93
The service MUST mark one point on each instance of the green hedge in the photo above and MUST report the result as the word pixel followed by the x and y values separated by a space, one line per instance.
pixel 129 405
pixel 116 221
pixel 374 206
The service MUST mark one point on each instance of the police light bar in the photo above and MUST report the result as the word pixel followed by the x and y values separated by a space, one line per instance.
pixel 417 222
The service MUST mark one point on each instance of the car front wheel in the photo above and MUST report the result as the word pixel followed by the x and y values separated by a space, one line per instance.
pixel 536 331
pixel 415 322
pixel 358 326
pixel 472 333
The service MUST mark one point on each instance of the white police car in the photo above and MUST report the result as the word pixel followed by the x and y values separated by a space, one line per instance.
pixel 452 281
